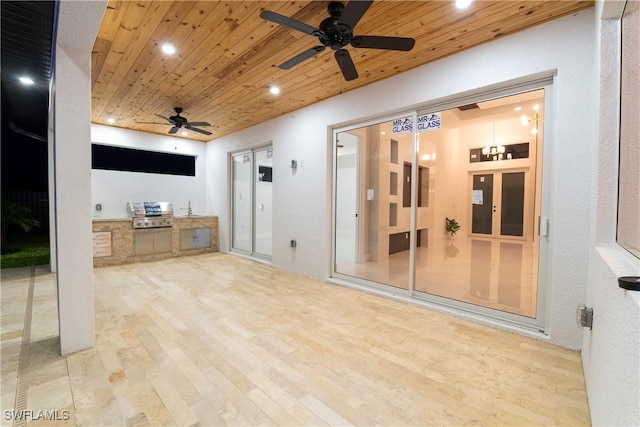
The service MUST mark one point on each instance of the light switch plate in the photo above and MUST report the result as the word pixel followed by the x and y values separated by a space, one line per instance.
pixel 370 194
pixel 584 316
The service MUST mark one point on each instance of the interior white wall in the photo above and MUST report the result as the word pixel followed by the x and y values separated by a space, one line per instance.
pixel 448 204
pixel 611 350
pixel 302 199
pixel 113 189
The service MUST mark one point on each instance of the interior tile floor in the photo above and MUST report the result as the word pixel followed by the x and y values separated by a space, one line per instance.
pixel 215 339
pixel 496 273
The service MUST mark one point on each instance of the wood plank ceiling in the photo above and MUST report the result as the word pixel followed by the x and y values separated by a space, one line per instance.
pixel 227 55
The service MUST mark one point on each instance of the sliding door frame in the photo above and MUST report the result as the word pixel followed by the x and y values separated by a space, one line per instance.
pixel 540 201
pixel 252 197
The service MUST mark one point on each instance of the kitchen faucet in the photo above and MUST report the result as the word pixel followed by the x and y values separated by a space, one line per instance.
pixel 188 209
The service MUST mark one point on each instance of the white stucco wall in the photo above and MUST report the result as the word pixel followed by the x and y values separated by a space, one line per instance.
pixel 71 161
pixel 565 47
pixel 611 350
pixel 113 189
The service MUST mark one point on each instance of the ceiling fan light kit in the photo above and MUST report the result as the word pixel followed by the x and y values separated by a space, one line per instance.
pixel 336 32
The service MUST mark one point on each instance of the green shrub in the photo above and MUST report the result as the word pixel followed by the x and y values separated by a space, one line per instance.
pixel 25 249
pixel 17 216
pixel 25 257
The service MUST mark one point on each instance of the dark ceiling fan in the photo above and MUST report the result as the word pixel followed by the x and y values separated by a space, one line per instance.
pixel 178 122
pixel 336 32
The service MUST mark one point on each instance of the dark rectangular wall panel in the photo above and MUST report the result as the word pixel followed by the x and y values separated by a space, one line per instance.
pixel 107 157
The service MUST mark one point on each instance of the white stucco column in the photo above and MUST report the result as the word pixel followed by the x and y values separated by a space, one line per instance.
pixel 77 26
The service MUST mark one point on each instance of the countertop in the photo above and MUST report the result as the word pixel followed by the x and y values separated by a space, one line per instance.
pixel 175 217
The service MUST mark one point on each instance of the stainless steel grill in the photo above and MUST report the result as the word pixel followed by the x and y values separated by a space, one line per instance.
pixel 150 214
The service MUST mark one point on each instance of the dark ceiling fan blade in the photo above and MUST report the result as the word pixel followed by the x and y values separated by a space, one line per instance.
pixel 202 131
pixel 289 22
pixel 151 123
pixel 301 57
pixel 383 42
pixel 174 130
pixel 353 11
pixel 166 118
pixel 346 64
pixel 199 124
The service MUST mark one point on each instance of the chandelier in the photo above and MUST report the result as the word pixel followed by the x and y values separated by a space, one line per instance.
pixel 525 120
pixel 496 151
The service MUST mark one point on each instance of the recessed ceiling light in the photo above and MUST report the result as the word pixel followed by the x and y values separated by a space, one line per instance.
pixel 26 80
pixel 274 90
pixel 169 49
pixel 111 120
pixel 184 133
pixel 517 109
pixel 463 4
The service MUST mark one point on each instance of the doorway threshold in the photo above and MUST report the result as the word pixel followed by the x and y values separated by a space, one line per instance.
pixel 505 325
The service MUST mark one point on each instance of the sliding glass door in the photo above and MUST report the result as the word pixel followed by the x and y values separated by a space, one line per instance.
pixel 262 207
pixel 400 181
pixel 372 206
pixel 242 202
pixel 252 206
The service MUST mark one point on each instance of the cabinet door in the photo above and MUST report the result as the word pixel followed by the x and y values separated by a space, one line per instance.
pixel 162 241
pixel 188 238
pixel 142 243
pixel 203 238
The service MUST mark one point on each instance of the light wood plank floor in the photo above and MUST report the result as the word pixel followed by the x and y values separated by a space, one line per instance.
pixel 218 340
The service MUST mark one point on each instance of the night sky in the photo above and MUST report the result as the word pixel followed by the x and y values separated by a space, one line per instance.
pixel 24 161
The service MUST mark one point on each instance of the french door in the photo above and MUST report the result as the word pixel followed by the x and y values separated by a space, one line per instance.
pixel 498 204
pixel 252 206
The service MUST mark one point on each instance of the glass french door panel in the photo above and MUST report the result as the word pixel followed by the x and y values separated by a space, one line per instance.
pixel 263 206
pixel 483 208
pixel 512 204
pixel 372 221
pixel 241 208
pixel 502 215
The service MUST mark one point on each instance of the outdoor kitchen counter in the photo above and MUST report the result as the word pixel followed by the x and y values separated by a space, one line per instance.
pixel 113 239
